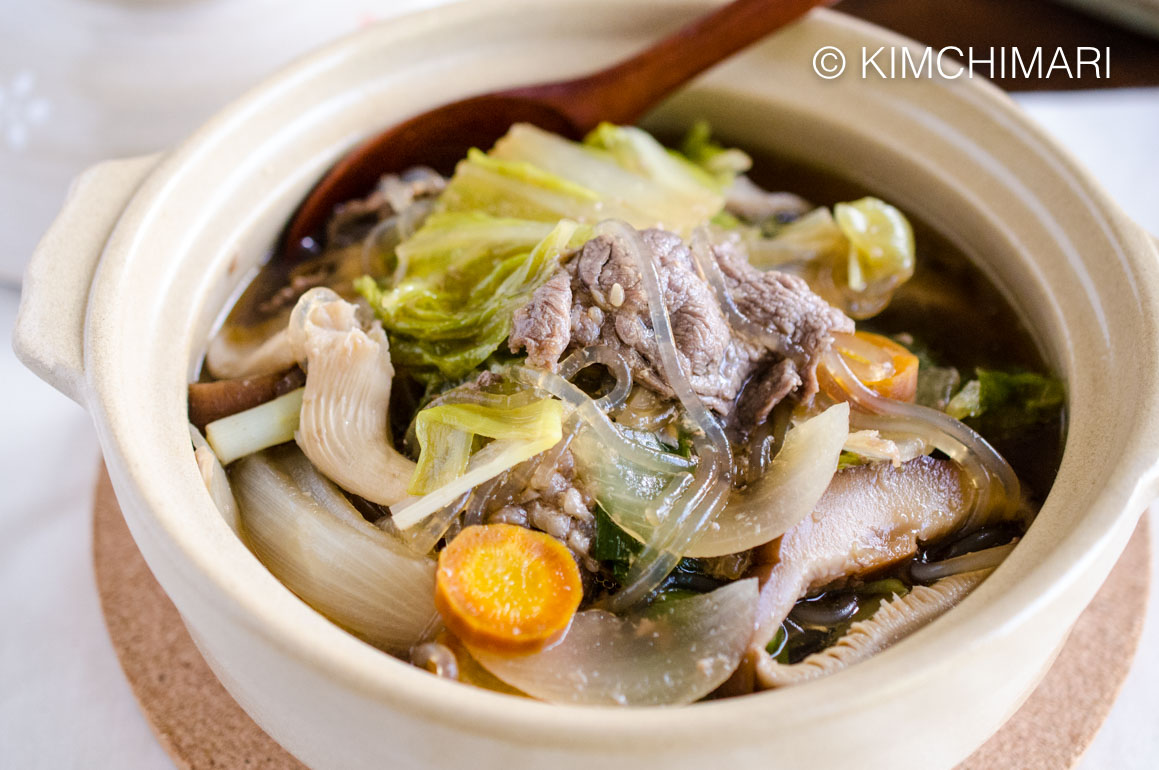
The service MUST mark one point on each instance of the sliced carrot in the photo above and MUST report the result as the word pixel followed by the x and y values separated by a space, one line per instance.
pixel 881 364
pixel 507 589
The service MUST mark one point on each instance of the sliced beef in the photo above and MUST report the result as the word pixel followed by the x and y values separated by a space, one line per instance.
pixel 698 325
pixel 767 389
pixel 608 306
pixel 542 326
pixel 784 304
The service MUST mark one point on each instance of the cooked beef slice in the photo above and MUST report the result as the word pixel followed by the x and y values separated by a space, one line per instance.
pixel 542 325
pixel 784 304
pixel 767 389
pixel 608 306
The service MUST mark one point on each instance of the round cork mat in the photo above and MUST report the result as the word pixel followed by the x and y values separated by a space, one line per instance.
pixel 201 726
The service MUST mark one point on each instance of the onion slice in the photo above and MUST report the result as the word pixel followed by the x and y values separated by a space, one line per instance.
pixel 213 474
pixel 670 653
pixel 788 491
pixel 637 500
pixel 313 540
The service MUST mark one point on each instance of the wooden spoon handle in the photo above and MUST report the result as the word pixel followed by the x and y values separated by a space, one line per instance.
pixel 625 91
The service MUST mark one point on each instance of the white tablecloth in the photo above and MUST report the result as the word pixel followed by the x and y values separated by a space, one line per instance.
pixel 63 700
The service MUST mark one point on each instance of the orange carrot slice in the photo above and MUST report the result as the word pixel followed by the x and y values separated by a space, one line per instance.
pixel 881 364
pixel 507 589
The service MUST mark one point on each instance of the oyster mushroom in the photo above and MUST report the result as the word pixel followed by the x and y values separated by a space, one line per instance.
pixel 892 622
pixel 343 428
pixel 869 517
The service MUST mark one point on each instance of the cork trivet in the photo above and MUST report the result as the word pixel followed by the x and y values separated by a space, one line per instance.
pixel 201 726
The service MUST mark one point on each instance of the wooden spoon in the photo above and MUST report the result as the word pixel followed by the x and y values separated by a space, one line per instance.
pixel 619 94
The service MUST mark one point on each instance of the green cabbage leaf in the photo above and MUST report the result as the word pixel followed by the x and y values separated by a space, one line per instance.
pixel 1000 404
pixel 464 276
pixel 446 435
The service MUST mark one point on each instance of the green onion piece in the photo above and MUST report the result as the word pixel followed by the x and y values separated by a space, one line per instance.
pixel 253 430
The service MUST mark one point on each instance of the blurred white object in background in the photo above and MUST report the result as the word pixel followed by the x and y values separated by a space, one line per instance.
pixel 86 80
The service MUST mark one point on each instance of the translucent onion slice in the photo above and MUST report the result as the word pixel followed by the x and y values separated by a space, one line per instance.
pixel 787 492
pixel 999 492
pixel 712 479
pixel 673 652
pixel 213 474
pixel 638 500
pixel 635 498
pixel 322 549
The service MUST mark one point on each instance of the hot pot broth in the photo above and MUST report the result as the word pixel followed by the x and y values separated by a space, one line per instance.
pixel 599 539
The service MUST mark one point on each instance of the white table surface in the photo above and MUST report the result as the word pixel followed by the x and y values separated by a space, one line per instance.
pixel 64 702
